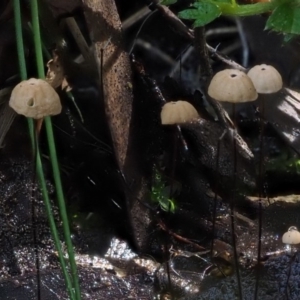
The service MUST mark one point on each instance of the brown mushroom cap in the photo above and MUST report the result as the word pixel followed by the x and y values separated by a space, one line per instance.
pixel 232 86
pixel 292 236
pixel 178 112
pixel 35 98
pixel 266 79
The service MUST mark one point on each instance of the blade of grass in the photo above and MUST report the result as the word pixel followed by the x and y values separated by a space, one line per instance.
pixel 19 37
pixel 62 206
pixel 40 173
pixel 42 181
pixel 52 150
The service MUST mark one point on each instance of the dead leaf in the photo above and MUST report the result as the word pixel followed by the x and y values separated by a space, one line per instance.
pixel 55 73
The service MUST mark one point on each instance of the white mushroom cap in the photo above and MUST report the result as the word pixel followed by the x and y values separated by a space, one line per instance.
pixel 232 86
pixel 35 98
pixel 178 112
pixel 266 79
pixel 292 236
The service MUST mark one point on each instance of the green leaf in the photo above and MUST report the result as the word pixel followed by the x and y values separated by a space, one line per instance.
pixel 285 18
pixel 204 14
pixel 168 2
pixel 168 205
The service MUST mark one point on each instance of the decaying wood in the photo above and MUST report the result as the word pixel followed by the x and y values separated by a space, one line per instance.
pixel 280 200
pixel 105 30
pixel 115 75
pixel 282 110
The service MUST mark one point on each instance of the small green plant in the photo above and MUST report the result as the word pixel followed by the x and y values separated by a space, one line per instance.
pixel 160 193
pixel 284 163
pixel 284 14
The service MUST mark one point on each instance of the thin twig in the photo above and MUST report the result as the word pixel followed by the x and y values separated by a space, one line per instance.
pixel 80 40
pixel 174 21
pixel 225 59
pixel 156 52
pixel 221 31
pixel 188 33
pixel 179 237
pixel 136 17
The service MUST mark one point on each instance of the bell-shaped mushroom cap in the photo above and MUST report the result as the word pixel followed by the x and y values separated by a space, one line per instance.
pixel 178 112
pixel 292 236
pixel 266 79
pixel 232 86
pixel 35 98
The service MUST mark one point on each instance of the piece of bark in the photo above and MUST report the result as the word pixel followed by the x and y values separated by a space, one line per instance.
pixel 282 110
pixel 115 75
pixel 105 30
pixel 279 200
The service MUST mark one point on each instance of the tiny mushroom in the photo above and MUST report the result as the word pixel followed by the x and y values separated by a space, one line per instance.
pixel 178 112
pixel 35 98
pixel 292 236
pixel 232 86
pixel 265 78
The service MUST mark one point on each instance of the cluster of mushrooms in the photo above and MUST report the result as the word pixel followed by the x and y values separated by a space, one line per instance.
pixel 229 85
pixel 36 98
pixel 236 87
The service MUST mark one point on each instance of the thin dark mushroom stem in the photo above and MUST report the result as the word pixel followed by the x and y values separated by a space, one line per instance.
pixel 233 86
pixel 232 201
pixel 293 259
pixel 173 168
pixel 215 194
pixel 260 187
pixel 267 80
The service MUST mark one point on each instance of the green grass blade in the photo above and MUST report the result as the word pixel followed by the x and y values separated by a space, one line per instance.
pixel 19 39
pixel 42 181
pixel 37 38
pixel 61 205
pixel 53 155
pixel 40 173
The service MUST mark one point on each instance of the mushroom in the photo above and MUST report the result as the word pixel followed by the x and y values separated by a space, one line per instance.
pixel 266 79
pixel 232 86
pixel 178 112
pixel 292 236
pixel 35 98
